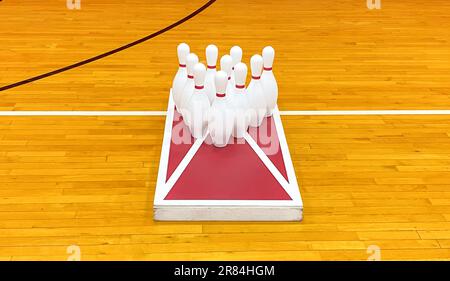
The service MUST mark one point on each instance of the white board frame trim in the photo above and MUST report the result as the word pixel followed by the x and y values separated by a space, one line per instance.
pixel 284 210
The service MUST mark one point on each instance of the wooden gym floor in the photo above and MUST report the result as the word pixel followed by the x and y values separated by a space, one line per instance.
pixel 380 180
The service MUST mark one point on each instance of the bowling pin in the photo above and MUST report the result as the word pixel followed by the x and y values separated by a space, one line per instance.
pixel 256 98
pixel 197 107
pixel 268 81
pixel 220 117
pixel 226 63
pixel 181 77
pixel 211 60
pixel 239 102
pixel 236 55
pixel 188 89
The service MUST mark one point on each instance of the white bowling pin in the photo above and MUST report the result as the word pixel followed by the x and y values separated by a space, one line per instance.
pixel 236 55
pixel 188 90
pixel 226 63
pixel 198 105
pixel 180 78
pixel 239 102
pixel 256 98
pixel 211 60
pixel 268 81
pixel 221 116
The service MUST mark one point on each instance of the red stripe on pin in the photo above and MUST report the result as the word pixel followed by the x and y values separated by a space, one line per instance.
pixel 229 78
pixel 182 65
pixel 211 66
pixel 199 87
pixel 240 86
pixel 220 95
pixel 256 77
pixel 267 68
pixel 191 76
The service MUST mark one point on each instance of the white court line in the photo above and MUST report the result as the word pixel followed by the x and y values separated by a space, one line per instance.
pixel 82 113
pixel 365 112
pixel 163 113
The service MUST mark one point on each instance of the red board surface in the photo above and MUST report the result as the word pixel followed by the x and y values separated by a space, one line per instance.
pixel 234 172
pixel 267 139
pixel 181 142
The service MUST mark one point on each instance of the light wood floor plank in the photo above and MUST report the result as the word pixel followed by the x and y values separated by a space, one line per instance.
pixel 89 181
pixel 97 193
pixel 339 57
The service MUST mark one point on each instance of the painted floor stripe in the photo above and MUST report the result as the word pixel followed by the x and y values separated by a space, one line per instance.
pixel 82 113
pixel 365 112
pixel 163 113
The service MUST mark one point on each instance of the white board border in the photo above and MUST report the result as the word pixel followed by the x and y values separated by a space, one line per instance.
pixel 282 210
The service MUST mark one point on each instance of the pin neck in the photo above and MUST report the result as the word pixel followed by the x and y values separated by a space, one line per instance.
pixel 220 95
pixel 211 66
pixel 256 77
pixel 181 65
pixel 267 68
pixel 190 76
pixel 240 86
pixel 199 87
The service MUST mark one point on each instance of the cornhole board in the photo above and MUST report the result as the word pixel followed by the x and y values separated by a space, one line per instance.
pixel 251 179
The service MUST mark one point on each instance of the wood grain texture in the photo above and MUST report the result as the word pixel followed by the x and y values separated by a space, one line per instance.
pixel 337 55
pixel 89 181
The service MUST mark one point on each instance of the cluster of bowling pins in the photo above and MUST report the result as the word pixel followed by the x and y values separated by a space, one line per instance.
pixel 218 102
